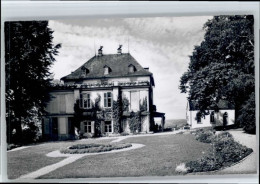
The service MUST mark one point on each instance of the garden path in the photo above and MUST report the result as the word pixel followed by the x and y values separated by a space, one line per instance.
pixel 73 157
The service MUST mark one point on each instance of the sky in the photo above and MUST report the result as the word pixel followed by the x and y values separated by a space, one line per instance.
pixel 163 44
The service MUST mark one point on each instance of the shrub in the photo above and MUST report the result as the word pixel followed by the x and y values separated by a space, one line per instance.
pixel 30 133
pixel 226 151
pixel 12 146
pixel 135 122
pixel 246 116
pixel 93 148
pixel 124 134
pixel 205 137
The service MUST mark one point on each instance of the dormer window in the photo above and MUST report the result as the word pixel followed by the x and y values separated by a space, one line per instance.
pixel 131 68
pixel 107 70
pixel 84 70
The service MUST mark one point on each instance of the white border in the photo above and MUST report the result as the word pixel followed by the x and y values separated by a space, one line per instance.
pixel 40 10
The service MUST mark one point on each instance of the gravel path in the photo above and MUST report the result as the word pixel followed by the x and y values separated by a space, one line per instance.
pixel 249 164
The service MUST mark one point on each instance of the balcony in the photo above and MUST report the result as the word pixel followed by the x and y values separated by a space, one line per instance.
pixel 99 85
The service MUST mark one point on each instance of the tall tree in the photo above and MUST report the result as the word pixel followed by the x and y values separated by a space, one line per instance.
pixel 29 53
pixel 222 66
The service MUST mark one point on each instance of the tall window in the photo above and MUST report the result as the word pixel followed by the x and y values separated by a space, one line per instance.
pixel 108 99
pixel 135 100
pixel 212 117
pixel 198 117
pixel 225 119
pixel 108 126
pixel 87 127
pixel 85 101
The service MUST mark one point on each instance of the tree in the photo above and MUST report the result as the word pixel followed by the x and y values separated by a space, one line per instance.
pixel 29 54
pixel 222 66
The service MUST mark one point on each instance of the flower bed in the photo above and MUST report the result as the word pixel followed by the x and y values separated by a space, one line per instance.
pixel 93 148
pixel 12 146
pixel 225 152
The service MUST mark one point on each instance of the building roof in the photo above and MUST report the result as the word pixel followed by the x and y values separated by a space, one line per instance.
pixel 118 63
pixel 222 104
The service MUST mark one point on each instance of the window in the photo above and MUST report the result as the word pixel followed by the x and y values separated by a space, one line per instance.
pixel 212 117
pixel 108 99
pixel 86 71
pixel 108 126
pixel 106 71
pixel 87 127
pixel 85 101
pixel 135 100
pixel 71 126
pixel 131 68
pixel 198 117
pixel 225 119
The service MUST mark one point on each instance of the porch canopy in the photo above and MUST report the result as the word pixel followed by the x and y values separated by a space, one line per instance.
pixel 160 115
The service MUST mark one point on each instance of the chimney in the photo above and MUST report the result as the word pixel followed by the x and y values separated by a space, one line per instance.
pixel 147 69
pixel 119 50
pixel 100 51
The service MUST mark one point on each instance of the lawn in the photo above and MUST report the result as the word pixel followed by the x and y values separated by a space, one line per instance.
pixel 33 158
pixel 159 157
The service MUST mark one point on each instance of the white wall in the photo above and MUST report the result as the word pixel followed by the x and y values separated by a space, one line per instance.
pixel 205 121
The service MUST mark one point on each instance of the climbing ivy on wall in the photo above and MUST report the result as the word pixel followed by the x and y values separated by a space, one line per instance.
pixel 143 104
pixel 117 115
pixel 78 114
pixel 135 122
pixel 125 104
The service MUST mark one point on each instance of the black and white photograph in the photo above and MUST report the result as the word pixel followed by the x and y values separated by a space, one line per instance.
pixel 130 97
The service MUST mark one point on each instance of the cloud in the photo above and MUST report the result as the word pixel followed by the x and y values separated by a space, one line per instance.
pixel 161 43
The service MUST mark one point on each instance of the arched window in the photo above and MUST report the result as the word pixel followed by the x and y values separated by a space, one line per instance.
pixel 225 119
pixel 212 117
pixel 198 117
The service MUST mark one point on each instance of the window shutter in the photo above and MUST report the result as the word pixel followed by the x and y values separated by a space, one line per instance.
pixel 102 127
pixel 105 99
pixel 82 127
pixel 80 101
pixel 92 127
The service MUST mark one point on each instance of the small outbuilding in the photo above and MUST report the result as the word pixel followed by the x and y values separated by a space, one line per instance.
pixel 225 115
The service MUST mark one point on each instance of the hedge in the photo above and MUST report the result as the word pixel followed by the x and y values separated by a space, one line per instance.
pixel 93 148
pixel 226 151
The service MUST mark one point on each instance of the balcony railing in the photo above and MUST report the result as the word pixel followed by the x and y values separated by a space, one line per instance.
pixel 97 85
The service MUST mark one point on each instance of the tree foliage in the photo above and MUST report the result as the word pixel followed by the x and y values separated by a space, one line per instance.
pixel 222 66
pixel 29 54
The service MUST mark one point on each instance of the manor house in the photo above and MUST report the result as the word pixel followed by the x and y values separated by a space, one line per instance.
pixel 109 94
